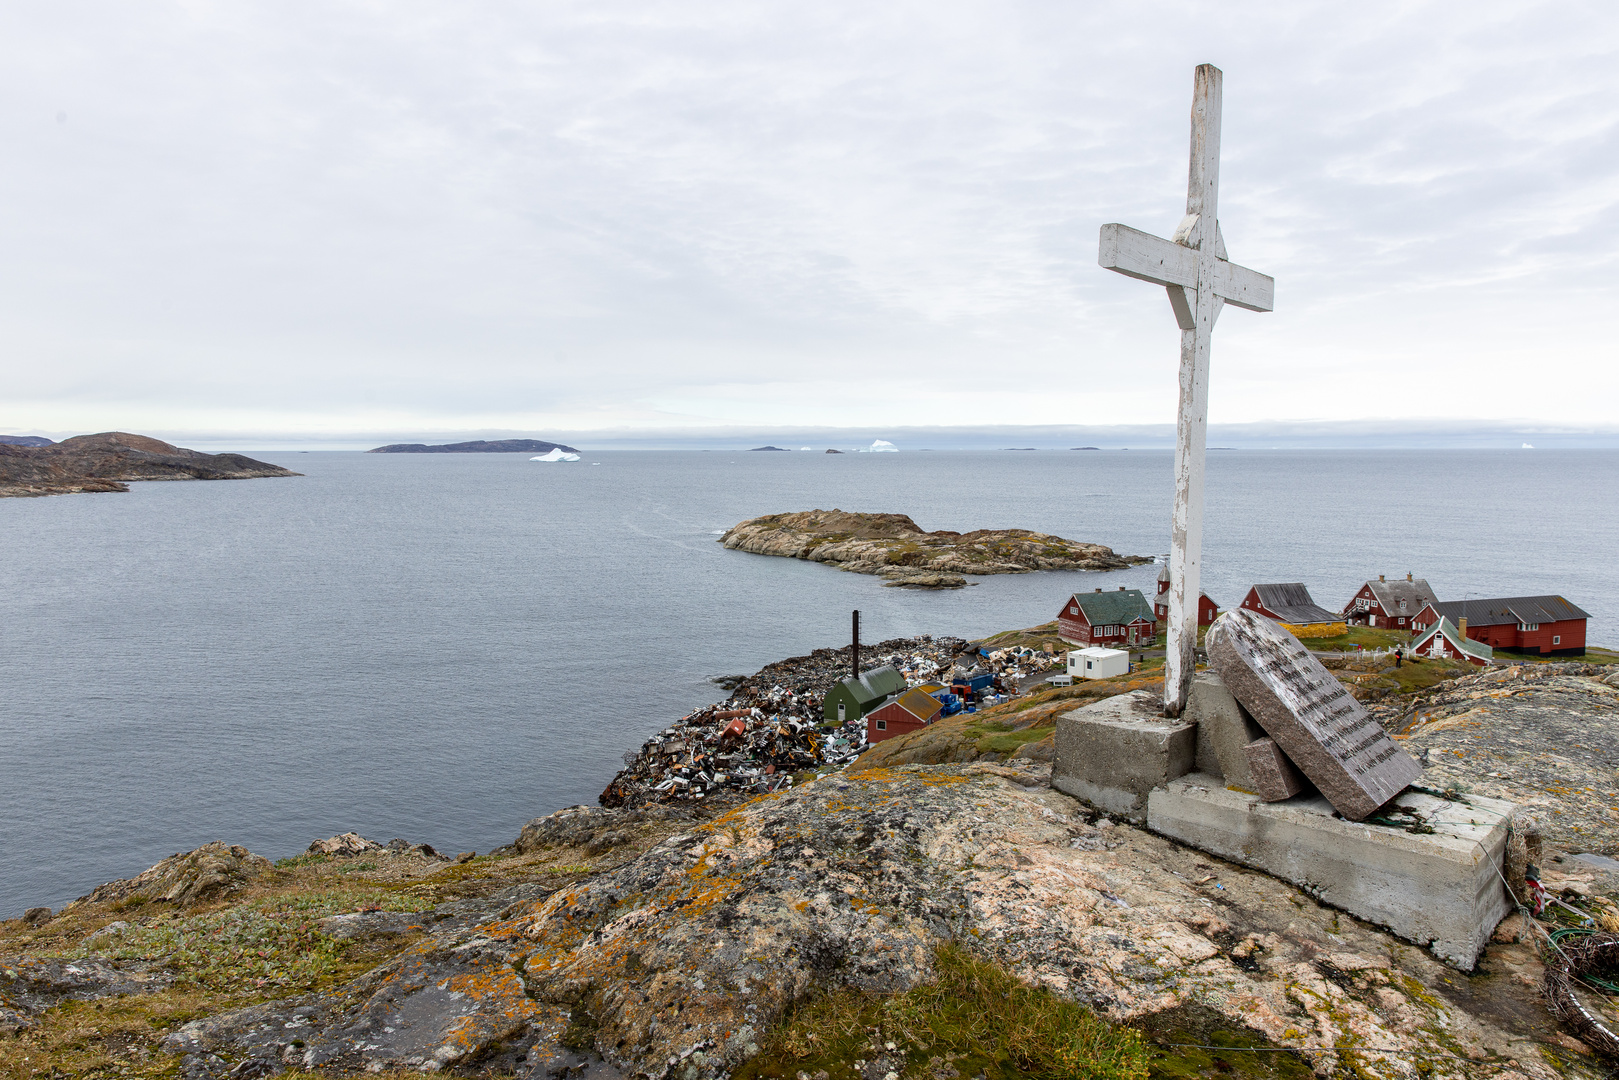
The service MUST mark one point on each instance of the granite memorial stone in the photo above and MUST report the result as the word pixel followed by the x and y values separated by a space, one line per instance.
pixel 1315 721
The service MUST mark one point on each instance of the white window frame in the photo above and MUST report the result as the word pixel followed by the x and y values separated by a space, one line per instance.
pixel 1557 639
pixel 882 725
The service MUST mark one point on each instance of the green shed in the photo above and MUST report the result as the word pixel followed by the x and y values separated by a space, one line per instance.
pixel 852 699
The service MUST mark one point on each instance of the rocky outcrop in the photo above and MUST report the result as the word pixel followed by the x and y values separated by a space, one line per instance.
pixel 675 963
pixel 480 446
pixel 1544 736
pixel 206 873
pixel 30 985
pixel 894 546
pixel 109 461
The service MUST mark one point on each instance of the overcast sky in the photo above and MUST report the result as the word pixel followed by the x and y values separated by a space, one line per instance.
pixel 292 219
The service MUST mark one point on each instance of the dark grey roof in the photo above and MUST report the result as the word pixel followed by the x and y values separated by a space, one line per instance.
pixel 1291 603
pixel 1511 609
pixel 1415 595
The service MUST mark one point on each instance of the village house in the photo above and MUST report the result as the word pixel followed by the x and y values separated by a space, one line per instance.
pixel 1290 604
pixel 1388 605
pixel 1445 641
pixel 910 711
pixel 853 698
pixel 1207 610
pixel 1107 618
pixel 1540 625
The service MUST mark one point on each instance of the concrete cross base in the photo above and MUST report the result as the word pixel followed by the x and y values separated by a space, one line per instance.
pixel 1439 889
pixel 1112 753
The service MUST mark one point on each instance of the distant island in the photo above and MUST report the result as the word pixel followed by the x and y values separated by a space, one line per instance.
pixel 498 446
pixel 108 461
pixel 25 440
pixel 756 449
pixel 895 547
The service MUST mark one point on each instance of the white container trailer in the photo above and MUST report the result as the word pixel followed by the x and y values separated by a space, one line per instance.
pixel 1098 663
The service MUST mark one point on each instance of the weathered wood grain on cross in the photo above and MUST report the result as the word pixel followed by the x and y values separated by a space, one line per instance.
pixel 1193 267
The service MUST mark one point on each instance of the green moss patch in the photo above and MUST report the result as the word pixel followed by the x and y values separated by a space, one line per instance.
pixel 975 1018
pixel 1194 1041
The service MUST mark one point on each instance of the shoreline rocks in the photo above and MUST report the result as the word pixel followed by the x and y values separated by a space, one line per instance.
pixel 892 545
pixel 207 872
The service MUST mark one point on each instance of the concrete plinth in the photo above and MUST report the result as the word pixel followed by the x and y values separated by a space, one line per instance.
pixel 1224 730
pixel 1112 753
pixel 1439 889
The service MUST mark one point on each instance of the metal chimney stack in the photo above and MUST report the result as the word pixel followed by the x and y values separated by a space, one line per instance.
pixel 855 652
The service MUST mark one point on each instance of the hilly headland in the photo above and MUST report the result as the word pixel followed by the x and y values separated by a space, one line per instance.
pixel 895 547
pixel 109 461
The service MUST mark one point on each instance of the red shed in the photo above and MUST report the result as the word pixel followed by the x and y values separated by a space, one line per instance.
pixel 906 711
pixel 1107 618
pixel 1539 625
pixel 1207 610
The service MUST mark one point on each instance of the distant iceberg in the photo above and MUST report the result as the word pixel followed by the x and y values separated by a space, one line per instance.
pixel 558 454
pixel 883 446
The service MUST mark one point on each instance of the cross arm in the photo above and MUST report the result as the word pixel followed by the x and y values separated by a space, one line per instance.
pixel 1244 287
pixel 1147 257
pixel 1164 262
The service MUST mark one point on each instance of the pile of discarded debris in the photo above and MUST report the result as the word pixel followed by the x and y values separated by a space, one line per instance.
pixel 1013 665
pixel 771 728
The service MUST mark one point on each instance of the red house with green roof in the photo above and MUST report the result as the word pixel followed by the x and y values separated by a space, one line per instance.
pixel 1107 618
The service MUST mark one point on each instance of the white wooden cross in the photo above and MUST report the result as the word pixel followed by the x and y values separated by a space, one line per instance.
pixel 1193 267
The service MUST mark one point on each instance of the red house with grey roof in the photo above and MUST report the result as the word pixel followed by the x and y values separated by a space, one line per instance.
pixel 1538 625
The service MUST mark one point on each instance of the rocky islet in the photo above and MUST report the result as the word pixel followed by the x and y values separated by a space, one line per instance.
pixel 895 547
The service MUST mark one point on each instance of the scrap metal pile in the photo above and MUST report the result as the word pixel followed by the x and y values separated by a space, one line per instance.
pixel 771 728
pixel 1011 667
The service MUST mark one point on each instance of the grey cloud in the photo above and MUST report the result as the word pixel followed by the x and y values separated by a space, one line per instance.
pixel 567 214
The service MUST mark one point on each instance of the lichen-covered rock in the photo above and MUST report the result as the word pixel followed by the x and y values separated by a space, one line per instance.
pixel 590 828
pixel 675 963
pixel 30 985
pixel 1544 736
pixel 344 846
pixel 884 543
pixel 201 874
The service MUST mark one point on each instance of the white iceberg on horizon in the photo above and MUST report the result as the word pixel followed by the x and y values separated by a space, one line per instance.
pixel 556 454
pixel 883 446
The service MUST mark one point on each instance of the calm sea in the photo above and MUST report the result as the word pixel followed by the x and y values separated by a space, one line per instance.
pixel 440 648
